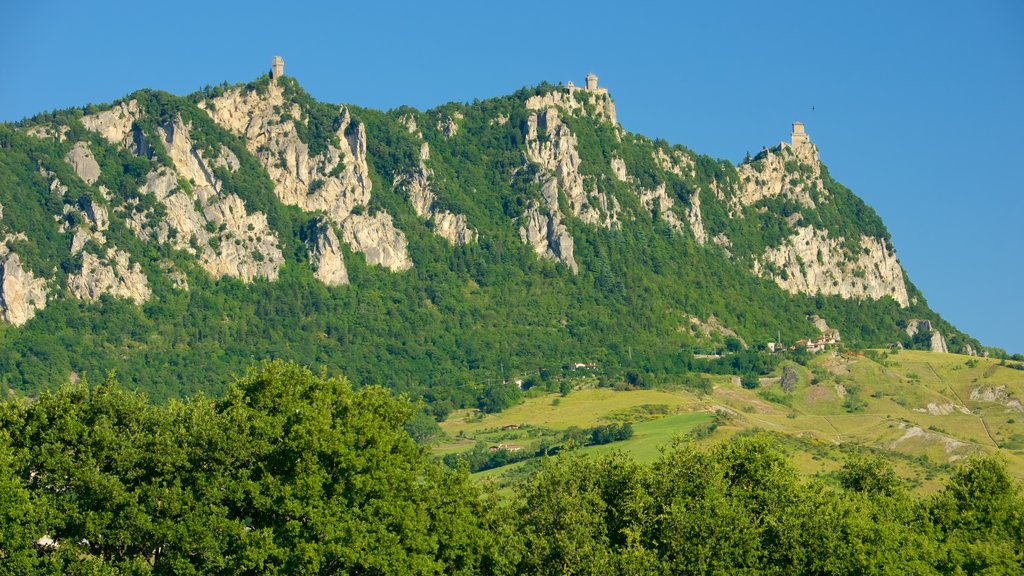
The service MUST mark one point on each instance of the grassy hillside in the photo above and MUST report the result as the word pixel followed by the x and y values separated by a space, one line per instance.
pixel 921 411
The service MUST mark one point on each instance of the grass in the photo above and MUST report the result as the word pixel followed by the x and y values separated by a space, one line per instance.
pixel 898 415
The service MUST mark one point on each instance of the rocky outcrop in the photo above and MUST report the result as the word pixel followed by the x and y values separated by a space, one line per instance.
pixel 83 162
pixel 117 126
pixel 811 262
pixel 378 239
pixel 696 219
pixel 21 293
pixel 114 276
pixel 599 105
pixel 556 153
pixel 448 126
pixel 658 201
pixel 416 184
pixel 232 241
pixel 792 173
pixel 619 169
pixel 677 162
pixel 548 236
pixel 936 342
pixel 48 132
pixel 713 326
pixel 944 409
pixel 325 253
pixel 227 160
pixel 915 435
pixel 333 182
pixel 997 394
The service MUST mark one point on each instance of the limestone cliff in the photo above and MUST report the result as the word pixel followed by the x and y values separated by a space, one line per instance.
pixel 378 239
pixel 936 341
pixel 548 236
pixel 232 241
pixel 586 102
pixel 657 201
pixel 325 253
pixel 793 173
pixel 417 185
pixel 333 182
pixel 112 275
pixel 21 293
pixel 83 162
pixel 117 126
pixel 811 262
pixel 557 155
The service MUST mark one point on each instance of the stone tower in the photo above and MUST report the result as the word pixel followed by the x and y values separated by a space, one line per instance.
pixel 799 138
pixel 591 81
pixel 277 68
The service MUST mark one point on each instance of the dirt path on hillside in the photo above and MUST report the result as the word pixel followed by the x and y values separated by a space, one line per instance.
pixel 981 418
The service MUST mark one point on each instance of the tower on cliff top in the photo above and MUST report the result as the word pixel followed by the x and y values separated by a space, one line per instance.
pixel 591 81
pixel 799 138
pixel 277 68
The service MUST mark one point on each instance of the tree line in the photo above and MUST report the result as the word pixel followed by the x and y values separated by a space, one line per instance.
pixel 288 472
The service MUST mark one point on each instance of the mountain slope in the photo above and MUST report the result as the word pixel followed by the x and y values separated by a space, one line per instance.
pixel 175 239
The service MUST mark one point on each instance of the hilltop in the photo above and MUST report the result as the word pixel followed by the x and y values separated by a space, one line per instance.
pixel 175 239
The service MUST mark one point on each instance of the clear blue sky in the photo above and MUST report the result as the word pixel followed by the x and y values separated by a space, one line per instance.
pixel 916 106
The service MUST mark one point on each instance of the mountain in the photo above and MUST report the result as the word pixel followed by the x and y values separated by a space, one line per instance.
pixel 176 239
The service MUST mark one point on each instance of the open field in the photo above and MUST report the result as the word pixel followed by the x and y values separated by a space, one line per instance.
pixel 922 411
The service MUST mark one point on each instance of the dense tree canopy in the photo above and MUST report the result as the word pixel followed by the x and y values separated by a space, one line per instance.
pixel 290 473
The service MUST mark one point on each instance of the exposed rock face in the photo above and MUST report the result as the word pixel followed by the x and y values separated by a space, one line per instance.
pixel 416 183
pixel 83 162
pixel 21 293
pixel 939 343
pixel 696 219
pixel 325 254
pixel 677 162
pixel 658 200
pixel 45 132
pixel 334 181
pixel 997 394
pixel 955 450
pixel 619 169
pixel 768 176
pixel 116 277
pixel 915 326
pixel 117 126
pixel 95 213
pixel 226 159
pixel 378 239
pixel 944 409
pixel 548 236
pixel 232 241
pixel 714 326
pixel 409 121
pixel 448 126
pixel 557 155
pixel 813 263
pixel 572 100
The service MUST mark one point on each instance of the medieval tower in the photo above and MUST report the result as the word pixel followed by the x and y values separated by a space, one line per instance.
pixel 277 68
pixel 591 81
pixel 799 138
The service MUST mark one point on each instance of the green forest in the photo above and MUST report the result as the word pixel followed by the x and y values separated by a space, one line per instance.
pixel 288 472
pixel 463 316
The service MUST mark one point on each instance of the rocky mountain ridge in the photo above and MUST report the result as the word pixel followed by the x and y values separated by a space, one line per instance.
pixel 157 193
